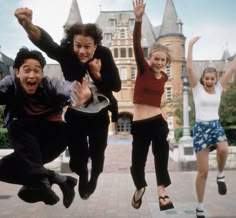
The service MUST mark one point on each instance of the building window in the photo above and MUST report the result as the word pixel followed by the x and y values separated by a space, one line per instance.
pixel 168 92
pixel 107 36
pixel 123 73
pixel 131 22
pixel 170 120
pixel 124 125
pixel 123 52
pixel 122 33
pixel 145 52
pixel 169 71
pixel 130 52
pixel 133 73
pixel 116 55
pixel 183 50
pixel 112 22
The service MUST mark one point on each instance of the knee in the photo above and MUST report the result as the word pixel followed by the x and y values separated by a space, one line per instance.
pixel 203 174
pixel 222 149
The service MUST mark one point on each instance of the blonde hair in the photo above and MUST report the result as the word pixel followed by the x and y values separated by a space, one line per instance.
pixel 158 47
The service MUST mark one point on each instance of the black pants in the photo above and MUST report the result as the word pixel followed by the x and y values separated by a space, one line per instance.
pixel 35 142
pixel 153 130
pixel 88 138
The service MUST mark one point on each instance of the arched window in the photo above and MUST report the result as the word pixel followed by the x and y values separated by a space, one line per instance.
pixel 124 123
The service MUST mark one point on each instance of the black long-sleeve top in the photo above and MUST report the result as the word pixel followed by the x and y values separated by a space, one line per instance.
pixel 73 69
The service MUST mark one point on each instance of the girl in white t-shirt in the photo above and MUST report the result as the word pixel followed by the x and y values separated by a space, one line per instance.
pixel 208 133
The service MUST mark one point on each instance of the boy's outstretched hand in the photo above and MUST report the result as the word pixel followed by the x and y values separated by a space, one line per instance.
pixel 81 92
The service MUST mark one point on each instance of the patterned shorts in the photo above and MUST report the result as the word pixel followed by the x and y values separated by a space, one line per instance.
pixel 207 134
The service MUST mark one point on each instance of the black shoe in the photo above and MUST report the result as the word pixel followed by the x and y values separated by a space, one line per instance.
pixel 92 186
pixel 200 213
pixel 82 188
pixel 68 191
pixel 222 188
pixel 41 192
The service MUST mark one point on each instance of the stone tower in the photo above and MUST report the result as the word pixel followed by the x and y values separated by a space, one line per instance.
pixel 117 29
pixel 74 15
pixel 171 35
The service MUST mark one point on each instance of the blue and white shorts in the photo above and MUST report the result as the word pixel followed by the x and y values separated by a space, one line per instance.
pixel 207 134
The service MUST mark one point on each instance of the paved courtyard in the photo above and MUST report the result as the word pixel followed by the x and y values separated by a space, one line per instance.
pixel 115 189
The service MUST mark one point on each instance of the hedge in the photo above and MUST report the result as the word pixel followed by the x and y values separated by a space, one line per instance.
pixel 230 132
pixel 4 141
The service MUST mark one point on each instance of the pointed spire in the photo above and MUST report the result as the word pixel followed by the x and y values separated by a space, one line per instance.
pixel 226 55
pixel 170 22
pixel 74 15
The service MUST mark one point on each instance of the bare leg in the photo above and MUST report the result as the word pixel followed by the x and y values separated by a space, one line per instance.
pixel 222 154
pixel 202 163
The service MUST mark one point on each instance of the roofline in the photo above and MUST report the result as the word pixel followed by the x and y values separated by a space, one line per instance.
pixel 171 34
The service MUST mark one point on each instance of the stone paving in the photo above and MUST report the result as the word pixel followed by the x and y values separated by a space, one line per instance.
pixel 115 189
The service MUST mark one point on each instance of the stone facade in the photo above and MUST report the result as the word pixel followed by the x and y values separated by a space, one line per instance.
pixel 117 29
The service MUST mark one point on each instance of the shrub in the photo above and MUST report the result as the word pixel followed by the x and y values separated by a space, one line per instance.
pixel 4 141
pixel 230 132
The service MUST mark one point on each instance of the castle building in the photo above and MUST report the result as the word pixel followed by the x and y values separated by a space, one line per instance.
pixel 6 64
pixel 117 29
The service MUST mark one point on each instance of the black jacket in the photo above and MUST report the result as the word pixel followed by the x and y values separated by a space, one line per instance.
pixel 50 97
pixel 73 69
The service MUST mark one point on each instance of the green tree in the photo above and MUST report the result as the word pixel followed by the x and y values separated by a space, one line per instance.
pixel 227 110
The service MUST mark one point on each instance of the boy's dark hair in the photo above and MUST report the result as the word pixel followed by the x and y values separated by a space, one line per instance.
pixel 88 29
pixel 24 54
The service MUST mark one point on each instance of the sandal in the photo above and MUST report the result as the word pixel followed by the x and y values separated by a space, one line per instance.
pixel 222 189
pixel 137 203
pixel 200 213
pixel 165 206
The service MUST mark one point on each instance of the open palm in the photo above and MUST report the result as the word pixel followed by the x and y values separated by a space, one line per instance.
pixel 139 8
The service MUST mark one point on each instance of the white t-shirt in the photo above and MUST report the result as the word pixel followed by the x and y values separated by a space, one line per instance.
pixel 206 105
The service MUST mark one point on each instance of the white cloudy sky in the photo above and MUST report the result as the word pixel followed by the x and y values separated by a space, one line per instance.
pixel 214 20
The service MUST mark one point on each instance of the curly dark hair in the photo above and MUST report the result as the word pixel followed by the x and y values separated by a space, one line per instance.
pixel 24 54
pixel 88 29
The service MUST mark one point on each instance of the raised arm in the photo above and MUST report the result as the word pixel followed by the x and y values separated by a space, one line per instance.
pixel 228 74
pixel 24 17
pixel 38 36
pixel 139 8
pixel 189 65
